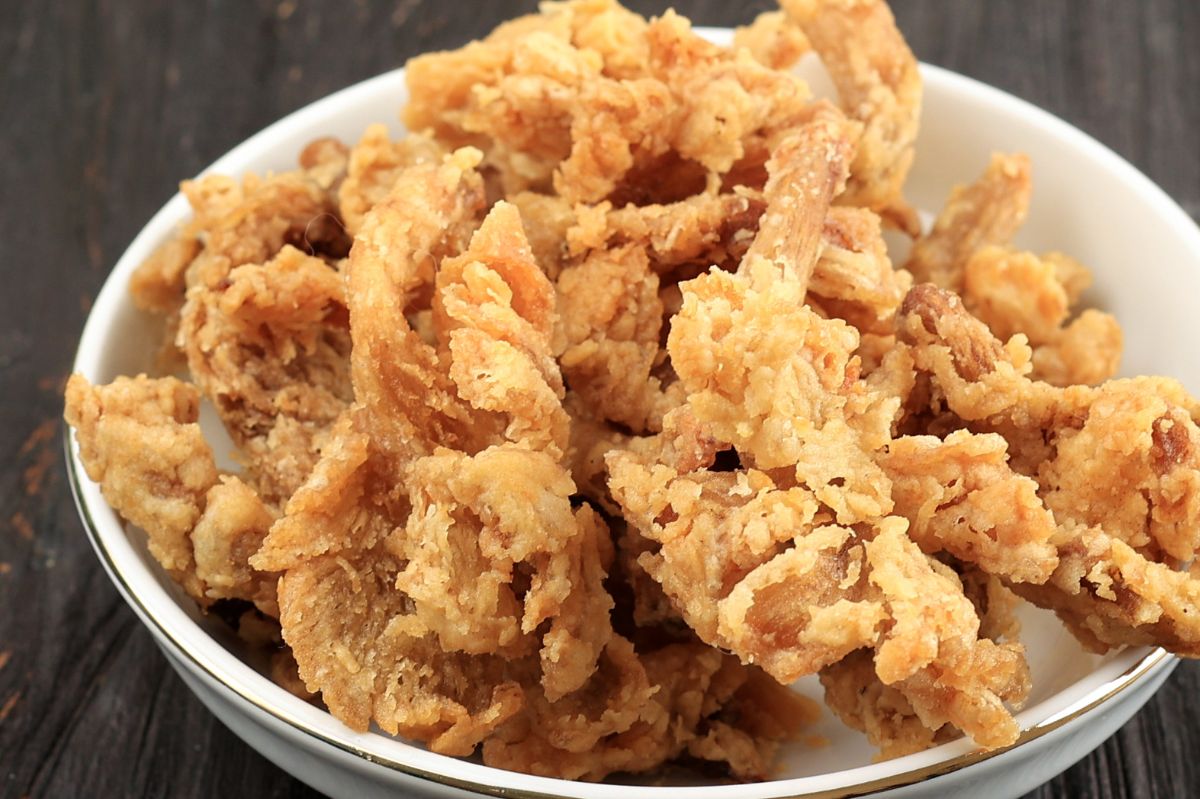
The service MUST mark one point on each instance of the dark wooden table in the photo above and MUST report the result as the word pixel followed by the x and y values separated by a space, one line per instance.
pixel 105 105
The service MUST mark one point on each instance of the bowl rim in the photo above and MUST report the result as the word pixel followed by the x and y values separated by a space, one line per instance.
pixel 1135 665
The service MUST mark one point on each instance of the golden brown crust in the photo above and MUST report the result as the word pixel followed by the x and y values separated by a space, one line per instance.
pixel 988 211
pixel 879 84
pixel 268 345
pixel 773 39
pixel 139 438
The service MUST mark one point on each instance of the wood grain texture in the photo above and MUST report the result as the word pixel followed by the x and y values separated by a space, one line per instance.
pixel 105 105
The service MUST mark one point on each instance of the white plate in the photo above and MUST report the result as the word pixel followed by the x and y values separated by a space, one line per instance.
pixel 1145 252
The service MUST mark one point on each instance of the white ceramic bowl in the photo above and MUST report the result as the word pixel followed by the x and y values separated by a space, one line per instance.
pixel 1087 201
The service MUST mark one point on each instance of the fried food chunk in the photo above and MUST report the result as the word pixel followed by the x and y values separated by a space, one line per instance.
pixel 456 584
pixel 235 223
pixel 1126 514
pixel 229 532
pixel 1109 595
pixel 960 496
pixel 611 317
pixel 139 438
pixel 704 229
pixel 1133 467
pixel 881 712
pixel 933 653
pixel 806 171
pixel 375 163
pixel 988 211
pixel 269 345
pixel 878 84
pixel 588 95
pixel 746 566
pixel 794 606
pixel 481 524
pixel 689 698
pixel 772 38
pixel 766 373
pixel 410 401
pixel 494 315
pixel 351 634
pixel 157 285
pixel 778 383
pixel 854 278
pixel 1016 292
pixel 1087 352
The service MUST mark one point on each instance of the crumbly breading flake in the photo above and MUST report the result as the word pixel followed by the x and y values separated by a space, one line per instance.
pixel 140 439
pixel 269 346
pixel 879 84
pixel 773 38
pixel 986 212
pixel 1019 292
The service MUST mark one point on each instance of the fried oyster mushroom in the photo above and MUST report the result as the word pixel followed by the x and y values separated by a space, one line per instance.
pixel 435 577
pixel 1123 521
pixel 879 84
pixel 968 251
pixel 596 102
pixel 790 560
pixel 139 438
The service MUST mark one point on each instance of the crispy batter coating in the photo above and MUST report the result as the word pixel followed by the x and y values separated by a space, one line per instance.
pixel 241 223
pixel 1108 595
pixel 611 318
pixel 157 285
pixel 373 167
pixel 139 438
pixel 933 652
pixel 854 278
pixel 1130 468
pixel 746 565
pixel 685 698
pixel 881 712
pixel 778 383
pixel 410 401
pixel 1123 519
pixel 229 532
pixel 960 496
pixel 269 345
pixel 773 38
pixel 704 229
pixel 588 95
pixel 493 314
pixel 879 84
pixel 988 211
pixel 352 636
pixel 1087 352
pixel 1015 292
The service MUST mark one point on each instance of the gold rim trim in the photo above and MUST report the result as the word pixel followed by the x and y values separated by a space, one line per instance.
pixel 1127 679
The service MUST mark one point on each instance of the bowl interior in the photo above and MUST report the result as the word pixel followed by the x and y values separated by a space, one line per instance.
pixel 1087 202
